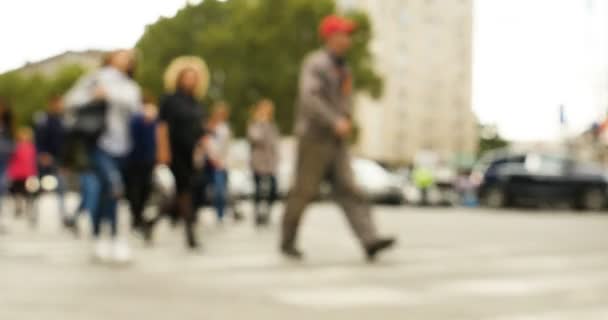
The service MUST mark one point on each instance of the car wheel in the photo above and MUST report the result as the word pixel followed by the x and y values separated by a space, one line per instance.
pixel 495 198
pixel 593 199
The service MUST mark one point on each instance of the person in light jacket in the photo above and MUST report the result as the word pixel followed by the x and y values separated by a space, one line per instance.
pixel 113 84
pixel 263 136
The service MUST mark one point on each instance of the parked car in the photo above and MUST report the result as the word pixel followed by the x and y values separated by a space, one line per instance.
pixel 539 178
pixel 377 183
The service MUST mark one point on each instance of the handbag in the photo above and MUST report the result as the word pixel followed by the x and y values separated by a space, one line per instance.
pixel 84 126
pixel 90 120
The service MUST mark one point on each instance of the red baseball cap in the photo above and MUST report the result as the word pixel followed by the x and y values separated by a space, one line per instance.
pixel 333 24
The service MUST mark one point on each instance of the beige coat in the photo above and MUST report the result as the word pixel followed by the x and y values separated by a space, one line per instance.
pixel 264 140
pixel 322 98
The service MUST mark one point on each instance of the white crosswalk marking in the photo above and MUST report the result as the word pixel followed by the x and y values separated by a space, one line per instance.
pixel 345 297
pixel 472 279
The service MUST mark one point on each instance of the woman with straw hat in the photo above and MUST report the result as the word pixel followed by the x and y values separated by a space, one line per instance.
pixel 181 127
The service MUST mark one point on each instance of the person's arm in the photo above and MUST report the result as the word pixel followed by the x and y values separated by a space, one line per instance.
pixel 254 134
pixel 163 151
pixel 163 141
pixel 81 93
pixel 225 147
pixel 123 94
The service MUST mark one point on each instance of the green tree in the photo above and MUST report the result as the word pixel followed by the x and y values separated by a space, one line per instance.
pixel 253 48
pixel 29 94
pixel 490 139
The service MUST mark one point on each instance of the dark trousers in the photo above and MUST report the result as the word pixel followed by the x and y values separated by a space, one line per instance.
pixel 184 206
pixel 265 193
pixel 139 187
pixel 320 160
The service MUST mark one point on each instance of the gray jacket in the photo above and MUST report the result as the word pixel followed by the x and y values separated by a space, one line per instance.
pixel 264 141
pixel 124 100
pixel 321 98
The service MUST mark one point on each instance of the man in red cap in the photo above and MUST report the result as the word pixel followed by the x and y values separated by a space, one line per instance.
pixel 323 125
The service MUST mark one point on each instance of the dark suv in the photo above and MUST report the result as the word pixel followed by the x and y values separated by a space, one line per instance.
pixel 541 178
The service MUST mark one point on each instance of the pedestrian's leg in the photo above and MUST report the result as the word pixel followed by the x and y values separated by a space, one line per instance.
pixel 184 203
pixel 136 182
pixel 273 192
pixel 352 200
pixel 61 191
pixel 219 187
pixel 312 164
pixel 257 198
pixel 146 190
pixel 3 185
pixel 97 214
pixel 106 172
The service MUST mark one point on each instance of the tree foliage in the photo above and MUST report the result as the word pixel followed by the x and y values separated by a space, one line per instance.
pixel 253 48
pixel 490 140
pixel 28 94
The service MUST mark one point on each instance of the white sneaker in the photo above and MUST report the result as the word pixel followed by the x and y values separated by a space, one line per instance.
pixel 121 252
pixel 102 251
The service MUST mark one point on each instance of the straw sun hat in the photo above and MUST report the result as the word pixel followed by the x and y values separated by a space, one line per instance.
pixel 180 64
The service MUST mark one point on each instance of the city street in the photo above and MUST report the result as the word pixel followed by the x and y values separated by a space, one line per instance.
pixel 450 264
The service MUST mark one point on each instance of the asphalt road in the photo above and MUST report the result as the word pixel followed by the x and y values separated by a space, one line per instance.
pixel 450 264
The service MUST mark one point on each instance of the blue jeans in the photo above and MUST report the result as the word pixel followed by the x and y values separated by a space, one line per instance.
pixel 220 191
pixel 109 175
pixel 89 192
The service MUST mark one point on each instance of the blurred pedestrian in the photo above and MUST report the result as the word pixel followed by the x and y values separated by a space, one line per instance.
pixel 323 125
pixel 424 180
pixel 141 163
pixel 49 133
pixel 264 136
pixel 122 96
pixel 7 130
pixel 21 168
pixel 218 148
pixel 180 130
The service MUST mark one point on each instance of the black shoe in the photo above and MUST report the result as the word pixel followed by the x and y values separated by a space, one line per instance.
pixel 238 216
pixel 292 253
pixel 373 249
pixel 148 233
pixel 259 221
pixel 195 248
pixel 71 225
pixel 191 241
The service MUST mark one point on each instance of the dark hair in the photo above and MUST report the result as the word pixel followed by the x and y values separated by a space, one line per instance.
pixel 6 117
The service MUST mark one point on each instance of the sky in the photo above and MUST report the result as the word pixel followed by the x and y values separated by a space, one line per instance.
pixel 530 55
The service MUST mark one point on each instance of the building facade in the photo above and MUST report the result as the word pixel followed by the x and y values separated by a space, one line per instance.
pixel 423 50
